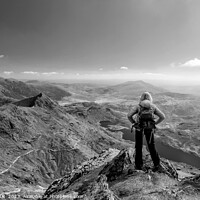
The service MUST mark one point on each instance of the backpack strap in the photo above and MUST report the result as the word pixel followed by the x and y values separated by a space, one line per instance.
pixel 140 107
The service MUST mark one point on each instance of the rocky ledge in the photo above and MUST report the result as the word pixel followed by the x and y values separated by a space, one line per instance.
pixel 117 179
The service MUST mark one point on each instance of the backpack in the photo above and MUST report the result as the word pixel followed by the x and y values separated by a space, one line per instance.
pixel 146 115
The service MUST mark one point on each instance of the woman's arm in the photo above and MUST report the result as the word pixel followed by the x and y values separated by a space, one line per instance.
pixel 160 114
pixel 132 113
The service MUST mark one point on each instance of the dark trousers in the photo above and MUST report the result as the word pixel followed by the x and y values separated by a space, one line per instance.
pixel 151 146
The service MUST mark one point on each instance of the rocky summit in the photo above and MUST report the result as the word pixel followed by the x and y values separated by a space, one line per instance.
pixel 117 179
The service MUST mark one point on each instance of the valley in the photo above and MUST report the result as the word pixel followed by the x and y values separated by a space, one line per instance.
pixel 46 137
pixel 182 125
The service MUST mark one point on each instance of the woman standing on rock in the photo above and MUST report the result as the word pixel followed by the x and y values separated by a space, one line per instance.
pixel 142 117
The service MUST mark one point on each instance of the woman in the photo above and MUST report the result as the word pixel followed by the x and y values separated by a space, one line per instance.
pixel 145 126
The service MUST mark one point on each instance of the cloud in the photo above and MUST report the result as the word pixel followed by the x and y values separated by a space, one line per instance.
pixel 153 74
pixel 29 72
pixel 100 69
pixel 8 72
pixel 124 68
pixel 191 63
pixel 1 56
pixel 52 73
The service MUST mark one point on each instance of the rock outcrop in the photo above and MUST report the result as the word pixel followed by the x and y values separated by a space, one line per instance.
pixel 81 170
pixel 117 179
pixel 119 164
pixel 28 102
pixel 193 181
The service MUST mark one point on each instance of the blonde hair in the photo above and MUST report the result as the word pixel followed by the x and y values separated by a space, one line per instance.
pixel 146 96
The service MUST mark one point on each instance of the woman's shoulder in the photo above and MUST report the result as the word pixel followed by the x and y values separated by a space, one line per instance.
pixel 157 111
pixel 136 107
pixel 153 106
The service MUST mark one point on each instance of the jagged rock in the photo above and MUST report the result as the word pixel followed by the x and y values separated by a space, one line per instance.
pixel 112 182
pixel 63 183
pixel 28 102
pixel 117 166
pixel 193 181
pixel 168 169
pixel 98 189
pixel 46 102
pixel 126 158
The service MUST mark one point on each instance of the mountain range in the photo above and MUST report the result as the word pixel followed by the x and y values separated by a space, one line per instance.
pixel 53 143
pixel 14 89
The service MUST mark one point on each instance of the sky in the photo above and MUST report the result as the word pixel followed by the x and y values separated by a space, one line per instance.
pixel 100 39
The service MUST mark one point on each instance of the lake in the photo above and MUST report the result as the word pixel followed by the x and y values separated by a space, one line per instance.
pixel 164 150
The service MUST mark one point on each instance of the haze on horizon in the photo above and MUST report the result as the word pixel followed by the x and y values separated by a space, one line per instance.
pixel 100 40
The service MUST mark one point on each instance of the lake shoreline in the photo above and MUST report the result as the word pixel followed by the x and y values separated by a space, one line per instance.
pixel 165 150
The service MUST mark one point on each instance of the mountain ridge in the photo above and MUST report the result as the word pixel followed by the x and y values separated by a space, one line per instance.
pixel 15 89
pixel 43 142
pixel 136 87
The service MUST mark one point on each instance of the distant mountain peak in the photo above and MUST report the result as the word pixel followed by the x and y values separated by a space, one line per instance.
pixel 130 89
pixel 133 82
pixel 138 81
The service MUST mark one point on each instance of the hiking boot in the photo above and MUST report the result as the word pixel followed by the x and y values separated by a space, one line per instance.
pixel 157 168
